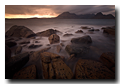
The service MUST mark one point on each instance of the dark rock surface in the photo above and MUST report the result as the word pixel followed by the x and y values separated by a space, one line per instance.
pixel 7 53
pixel 26 73
pixel 48 32
pixel 67 35
pixel 84 39
pixel 15 64
pixel 79 31
pixel 32 46
pixel 89 69
pixel 19 31
pixel 10 44
pixel 109 30
pixel 18 50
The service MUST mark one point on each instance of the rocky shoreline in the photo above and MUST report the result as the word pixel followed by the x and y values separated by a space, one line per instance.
pixel 49 65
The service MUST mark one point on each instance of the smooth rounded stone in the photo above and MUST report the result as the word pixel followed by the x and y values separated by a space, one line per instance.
pixel 84 39
pixel 18 50
pixel 48 32
pixel 11 44
pixel 62 71
pixel 77 50
pixel 26 73
pixel 7 53
pixel 34 46
pixel 110 31
pixel 67 35
pixel 15 64
pixel 89 69
pixel 79 31
pixel 58 48
pixel 108 59
pixel 54 39
pixel 19 31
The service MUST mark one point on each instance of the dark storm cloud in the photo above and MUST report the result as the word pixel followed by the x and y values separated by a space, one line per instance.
pixel 42 9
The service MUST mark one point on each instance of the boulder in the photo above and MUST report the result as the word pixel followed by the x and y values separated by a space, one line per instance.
pixel 108 59
pixel 18 50
pixel 19 31
pixel 96 30
pixel 51 72
pixel 67 35
pixel 26 73
pixel 79 31
pixel 61 44
pixel 45 68
pixel 84 39
pixel 62 71
pixel 32 46
pixel 85 27
pixel 54 39
pixel 91 30
pixel 15 64
pixel 11 44
pixel 58 48
pixel 110 31
pixel 89 69
pixel 47 33
pixel 77 50
pixel 7 53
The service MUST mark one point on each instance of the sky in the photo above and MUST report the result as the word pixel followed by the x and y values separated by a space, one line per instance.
pixel 49 11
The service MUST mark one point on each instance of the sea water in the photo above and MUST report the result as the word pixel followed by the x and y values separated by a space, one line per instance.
pixel 100 42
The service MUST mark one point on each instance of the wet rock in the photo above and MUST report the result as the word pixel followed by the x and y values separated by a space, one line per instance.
pixel 72 56
pixel 91 30
pixel 79 31
pixel 51 72
pixel 15 64
pixel 47 33
pixel 62 71
pixel 45 67
pixel 54 39
pixel 18 50
pixel 109 31
pixel 7 53
pixel 84 39
pixel 58 48
pixel 96 30
pixel 48 45
pixel 45 58
pixel 89 69
pixel 10 39
pixel 113 69
pixel 67 35
pixel 11 44
pixel 61 44
pixel 19 31
pixel 31 36
pixel 85 27
pixel 26 73
pixel 62 57
pixel 34 46
pixel 77 50
pixel 108 59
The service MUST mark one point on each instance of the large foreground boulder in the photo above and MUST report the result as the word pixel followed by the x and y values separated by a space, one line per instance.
pixel 84 39
pixel 89 69
pixel 54 67
pixel 15 64
pixel 26 73
pixel 54 39
pixel 108 59
pixel 19 31
pixel 47 32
